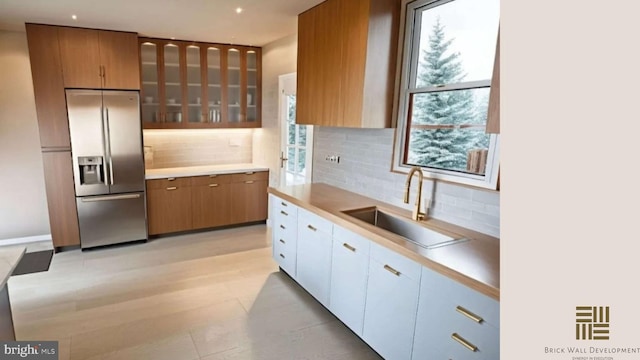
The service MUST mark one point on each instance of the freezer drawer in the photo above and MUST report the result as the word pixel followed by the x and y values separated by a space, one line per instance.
pixel 111 219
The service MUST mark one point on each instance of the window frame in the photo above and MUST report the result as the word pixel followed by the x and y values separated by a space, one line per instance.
pixel 407 77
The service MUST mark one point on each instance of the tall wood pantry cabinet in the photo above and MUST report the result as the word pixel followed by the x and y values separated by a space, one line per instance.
pixel 67 57
pixel 347 52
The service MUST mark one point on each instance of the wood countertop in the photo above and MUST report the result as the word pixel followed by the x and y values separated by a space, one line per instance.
pixel 151 174
pixel 474 263
pixel 9 258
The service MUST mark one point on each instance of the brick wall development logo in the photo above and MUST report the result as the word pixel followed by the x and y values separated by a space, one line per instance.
pixel 592 323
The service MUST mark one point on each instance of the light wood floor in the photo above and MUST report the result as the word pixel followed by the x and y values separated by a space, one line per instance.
pixel 211 295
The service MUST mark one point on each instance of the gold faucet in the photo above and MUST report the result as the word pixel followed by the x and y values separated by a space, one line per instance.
pixel 417 214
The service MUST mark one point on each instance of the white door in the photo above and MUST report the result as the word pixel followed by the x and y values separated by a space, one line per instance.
pixel 296 140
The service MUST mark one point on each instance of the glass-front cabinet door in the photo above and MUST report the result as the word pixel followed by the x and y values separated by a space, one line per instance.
pixel 195 112
pixel 234 115
pixel 252 86
pixel 150 89
pixel 199 85
pixel 214 81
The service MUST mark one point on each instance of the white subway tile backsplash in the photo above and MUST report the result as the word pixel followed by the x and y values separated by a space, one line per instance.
pixel 364 168
pixel 204 147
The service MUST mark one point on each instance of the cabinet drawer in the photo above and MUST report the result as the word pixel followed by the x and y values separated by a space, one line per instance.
pixel 351 241
pixel 250 176
pixel 485 339
pixel 210 179
pixel 454 294
pixel 168 183
pixel 284 208
pixel 284 253
pixel 396 262
pixel 286 232
pixel 313 223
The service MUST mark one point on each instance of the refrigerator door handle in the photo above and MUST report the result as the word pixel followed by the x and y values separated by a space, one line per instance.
pixel 112 197
pixel 109 147
pixel 104 140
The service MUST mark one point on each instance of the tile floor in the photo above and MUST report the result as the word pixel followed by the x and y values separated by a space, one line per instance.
pixel 210 295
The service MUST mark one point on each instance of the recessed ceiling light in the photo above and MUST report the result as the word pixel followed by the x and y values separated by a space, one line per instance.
pixel 238 10
pixel 74 17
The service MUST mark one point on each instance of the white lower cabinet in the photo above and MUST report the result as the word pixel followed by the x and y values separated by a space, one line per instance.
pixel 455 322
pixel 349 271
pixel 284 234
pixel 313 269
pixel 400 308
pixel 391 303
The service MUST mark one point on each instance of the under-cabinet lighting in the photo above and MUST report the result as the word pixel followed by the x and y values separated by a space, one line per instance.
pixel 74 17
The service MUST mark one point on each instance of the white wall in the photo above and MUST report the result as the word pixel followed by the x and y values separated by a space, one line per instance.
pixel 278 58
pixel 23 205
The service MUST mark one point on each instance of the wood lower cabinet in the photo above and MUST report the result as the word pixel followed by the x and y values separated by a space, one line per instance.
pixel 198 202
pixel 249 197
pixel 211 198
pixel 63 214
pixel 169 205
pixel 98 59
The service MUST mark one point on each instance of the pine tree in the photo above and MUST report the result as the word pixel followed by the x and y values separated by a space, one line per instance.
pixel 443 148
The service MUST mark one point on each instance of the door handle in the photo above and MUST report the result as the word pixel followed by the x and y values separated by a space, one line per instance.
pixel 107 198
pixel 282 159
pixel 109 148
pixel 104 141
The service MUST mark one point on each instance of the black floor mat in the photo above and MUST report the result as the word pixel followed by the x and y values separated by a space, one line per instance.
pixel 34 262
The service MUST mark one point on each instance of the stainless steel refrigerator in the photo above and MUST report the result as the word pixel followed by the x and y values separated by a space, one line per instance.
pixel 108 165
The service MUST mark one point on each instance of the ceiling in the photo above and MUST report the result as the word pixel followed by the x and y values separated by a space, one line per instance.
pixel 260 22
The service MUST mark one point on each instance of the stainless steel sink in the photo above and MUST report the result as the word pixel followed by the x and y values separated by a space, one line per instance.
pixel 411 230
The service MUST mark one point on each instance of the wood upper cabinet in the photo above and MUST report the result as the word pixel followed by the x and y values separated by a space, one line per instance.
pixel 63 215
pixel 48 86
pixel 199 85
pixel 493 115
pixel 98 59
pixel 347 53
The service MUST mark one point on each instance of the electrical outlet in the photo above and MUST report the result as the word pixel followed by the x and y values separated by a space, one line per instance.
pixel 332 158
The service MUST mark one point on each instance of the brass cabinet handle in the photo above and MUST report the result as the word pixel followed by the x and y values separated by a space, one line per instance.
pixel 311 228
pixel 213 185
pixel 284 213
pixel 469 314
pixel 249 182
pixel 171 179
pixel 282 256
pixel 282 241
pixel 172 188
pixel 250 172
pixel 212 176
pixel 464 342
pixel 392 270
pixel 282 227
pixel 349 247
pixel 283 203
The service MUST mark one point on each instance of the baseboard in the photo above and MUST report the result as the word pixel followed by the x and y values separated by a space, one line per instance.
pixel 25 240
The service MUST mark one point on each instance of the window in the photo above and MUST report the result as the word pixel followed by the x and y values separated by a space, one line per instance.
pixel 447 66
